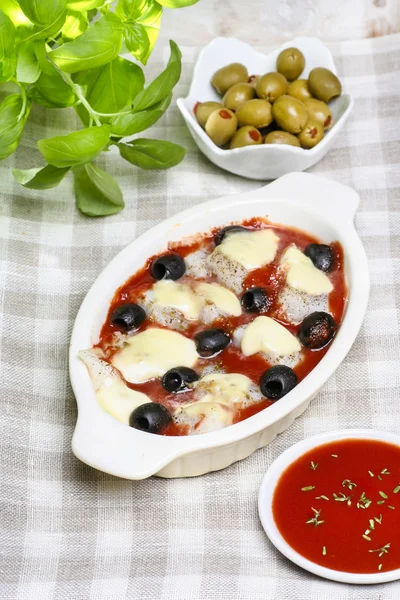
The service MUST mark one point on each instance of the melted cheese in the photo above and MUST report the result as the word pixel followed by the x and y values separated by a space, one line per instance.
pixel 112 393
pixel 225 388
pixel 268 336
pixel 152 353
pixel 212 416
pixel 178 296
pixel 223 299
pixel 217 396
pixel 302 275
pixel 251 249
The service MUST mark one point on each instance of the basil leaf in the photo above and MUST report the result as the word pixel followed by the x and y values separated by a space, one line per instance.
pixel 75 148
pixel 137 41
pixel 135 122
pixel 177 3
pixel 163 84
pixel 28 66
pixel 84 4
pixel 37 32
pixel 151 20
pixel 100 44
pixel 42 178
pixel 11 123
pixel 12 9
pixel 112 87
pixel 97 193
pixel 42 12
pixel 152 154
pixel 82 114
pixel 52 91
pixel 142 24
pixel 75 24
pixel 130 10
pixel 8 57
pixel 40 47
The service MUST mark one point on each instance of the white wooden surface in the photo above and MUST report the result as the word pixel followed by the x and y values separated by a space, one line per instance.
pixel 266 22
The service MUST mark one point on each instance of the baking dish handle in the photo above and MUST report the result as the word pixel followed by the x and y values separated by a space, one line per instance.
pixel 326 196
pixel 105 444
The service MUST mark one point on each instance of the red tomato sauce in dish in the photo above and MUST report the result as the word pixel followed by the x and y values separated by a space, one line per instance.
pixel 230 360
pixel 338 505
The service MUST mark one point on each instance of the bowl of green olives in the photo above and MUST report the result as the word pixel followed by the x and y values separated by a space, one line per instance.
pixel 263 116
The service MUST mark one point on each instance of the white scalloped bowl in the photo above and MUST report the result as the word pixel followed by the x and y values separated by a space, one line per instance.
pixel 267 161
pixel 322 207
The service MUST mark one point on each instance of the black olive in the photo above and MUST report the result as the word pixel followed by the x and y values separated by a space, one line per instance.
pixel 150 417
pixel 176 379
pixel 321 255
pixel 256 300
pixel 219 236
pixel 128 317
pixel 317 330
pixel 277 381
pixel 211 342
pixel 170 266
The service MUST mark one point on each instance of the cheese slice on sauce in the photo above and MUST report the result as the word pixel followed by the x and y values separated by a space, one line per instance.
pixel 178 296
pixel 205 417
pixel 270 337
pixel 302 275
pixel 225 388
pixel 223 299
pixel 251 249
pixel 112 393
pixel 152 353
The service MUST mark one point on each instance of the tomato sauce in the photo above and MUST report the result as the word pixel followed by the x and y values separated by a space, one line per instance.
pixel 338 505
pixel 231 359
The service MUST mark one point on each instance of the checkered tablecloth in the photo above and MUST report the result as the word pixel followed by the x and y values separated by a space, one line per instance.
pixel 70 532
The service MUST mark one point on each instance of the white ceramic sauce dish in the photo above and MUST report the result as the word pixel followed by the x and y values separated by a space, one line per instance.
pixel 267 161
pixel 320 206
pixel 267 489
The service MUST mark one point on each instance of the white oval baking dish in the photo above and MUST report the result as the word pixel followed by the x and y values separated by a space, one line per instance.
pixel 320 206
pixel 267 161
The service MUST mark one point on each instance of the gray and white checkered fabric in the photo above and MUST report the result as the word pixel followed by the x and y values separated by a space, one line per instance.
pixel 69 532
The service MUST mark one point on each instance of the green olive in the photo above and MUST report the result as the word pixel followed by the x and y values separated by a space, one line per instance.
pixel 226 77
pixel 221 125
pixel 237 95
pixel 324 84
pixel 290 114
pixel 281 137
pixel 255 112
pixel 299 89
pixel 271 85
pixel 253 80
pixel 246 136
pixel 290 63
pixel 312 134
pixel 203 110
pixel 319 111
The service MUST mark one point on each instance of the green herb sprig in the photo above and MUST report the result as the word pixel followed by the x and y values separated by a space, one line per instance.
pixel 67 54
pixel 315 519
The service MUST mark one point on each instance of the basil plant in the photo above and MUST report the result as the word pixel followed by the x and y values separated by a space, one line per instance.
pixel 66 53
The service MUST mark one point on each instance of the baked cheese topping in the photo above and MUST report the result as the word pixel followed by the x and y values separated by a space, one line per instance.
pixel 213 415
pixel 225 388
pixel 270 337
pixel 112 393
pixel 302 275
pixel 223 299
pixel 178 296
pixel 152 353
pixel 251 249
